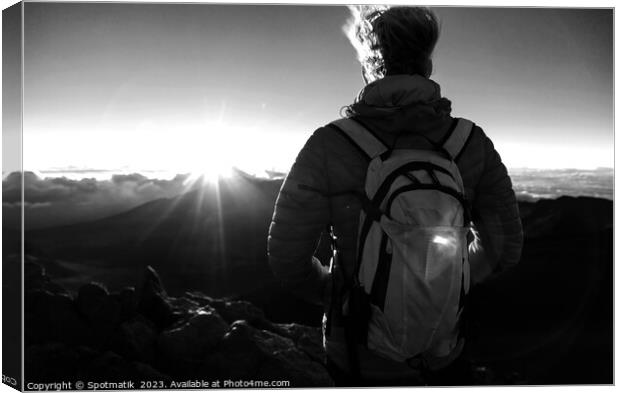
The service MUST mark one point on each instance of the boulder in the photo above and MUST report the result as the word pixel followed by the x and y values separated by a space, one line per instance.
pixel 153 303
pixel 135 339
pixel 110 337
pixel 237 356
pixel 286 361
pixel 183 308
pixel 191 339
pixel 54 318
pixel 51 362
pixel 199 297
pixel 101 310
pixel 237 310
pixel 127 300
pixel 249 353
pixel 308 339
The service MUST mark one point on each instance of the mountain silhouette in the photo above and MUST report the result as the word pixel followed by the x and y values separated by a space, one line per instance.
pixel 195 240
pixel 543 317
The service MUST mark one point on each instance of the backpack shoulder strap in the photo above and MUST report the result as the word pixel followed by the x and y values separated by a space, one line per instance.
pixel 458 138
pixel 361 137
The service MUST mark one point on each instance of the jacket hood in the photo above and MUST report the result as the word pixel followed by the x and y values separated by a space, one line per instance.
pixel 400 104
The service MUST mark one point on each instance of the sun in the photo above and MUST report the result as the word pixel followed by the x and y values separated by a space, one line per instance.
pixel 210 167
pixel 212 152
pixel 208 154
pixel 208 176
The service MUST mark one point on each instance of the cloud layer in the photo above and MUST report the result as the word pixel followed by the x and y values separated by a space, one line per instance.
pixel 57 201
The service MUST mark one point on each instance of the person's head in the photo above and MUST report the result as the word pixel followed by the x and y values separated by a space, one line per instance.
pixel 391 41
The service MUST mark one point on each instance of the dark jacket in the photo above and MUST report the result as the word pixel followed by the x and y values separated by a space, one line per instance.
pixel 395 109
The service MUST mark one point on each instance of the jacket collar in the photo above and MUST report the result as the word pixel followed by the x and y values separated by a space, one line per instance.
pixel 400 103
pixel 399 90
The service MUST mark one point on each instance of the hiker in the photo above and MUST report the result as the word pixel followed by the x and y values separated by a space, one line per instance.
pixel 399 115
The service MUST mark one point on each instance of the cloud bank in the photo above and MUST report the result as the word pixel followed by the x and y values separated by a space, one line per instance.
pixel 59 200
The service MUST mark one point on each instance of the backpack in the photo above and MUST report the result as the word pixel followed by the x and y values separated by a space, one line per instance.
pixel 412 269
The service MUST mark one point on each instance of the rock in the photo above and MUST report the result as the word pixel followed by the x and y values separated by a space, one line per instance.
pixel 91 298
pixel 157 337
pixel 109 366
pixel 237 356
pixel 35 278
pixel 50 317
pixel 289 365
pixel 285 361
pixel 153 302
pixel 308 339
pixel 136 339
pixel 128 301
pixel 50 362
pixel 233 311
pixel 192 339
pixel 64 363
pixel 101 310
pixel 182 307
pixel 147 373
pixel 54 288
pixel 249 353
pixel 199 297
pixel 34 274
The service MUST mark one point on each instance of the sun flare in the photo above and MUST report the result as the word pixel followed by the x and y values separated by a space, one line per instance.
pixel 209 175
pixel 210 168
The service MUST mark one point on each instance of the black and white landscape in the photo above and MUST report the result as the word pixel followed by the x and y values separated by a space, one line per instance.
pixel 531 326
pixel 145 249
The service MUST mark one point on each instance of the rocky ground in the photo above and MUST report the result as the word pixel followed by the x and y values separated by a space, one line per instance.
pixel 146 335
pixel 548 321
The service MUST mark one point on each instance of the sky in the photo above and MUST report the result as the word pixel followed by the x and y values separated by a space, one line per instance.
pixel 176 88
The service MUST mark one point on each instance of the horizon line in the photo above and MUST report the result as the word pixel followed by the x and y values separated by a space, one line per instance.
pixel 266 172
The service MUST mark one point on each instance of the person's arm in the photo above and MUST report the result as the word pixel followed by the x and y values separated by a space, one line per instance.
pixel 496 218
pixel 300 215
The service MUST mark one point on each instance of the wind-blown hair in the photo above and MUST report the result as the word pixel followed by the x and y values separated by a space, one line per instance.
pixel 390 41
